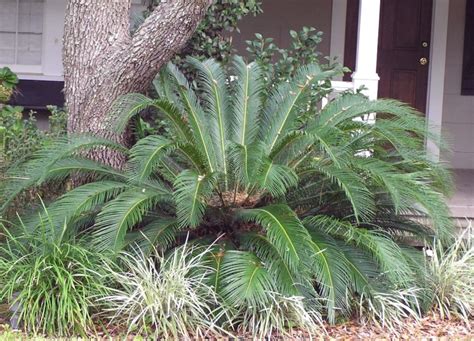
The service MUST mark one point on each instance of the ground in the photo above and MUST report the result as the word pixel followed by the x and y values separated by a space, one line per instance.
pixel 429 327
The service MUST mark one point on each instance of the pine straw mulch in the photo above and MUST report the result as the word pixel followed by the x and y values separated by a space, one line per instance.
pixel 428 328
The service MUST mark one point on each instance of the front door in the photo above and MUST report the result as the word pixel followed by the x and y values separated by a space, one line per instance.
pixel 404 50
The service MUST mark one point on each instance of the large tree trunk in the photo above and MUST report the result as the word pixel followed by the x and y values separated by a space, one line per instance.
pixel 103 61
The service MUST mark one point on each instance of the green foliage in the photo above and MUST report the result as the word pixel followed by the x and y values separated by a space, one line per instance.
pixel 57 121
pixel 8 81
pixel 308 202
pixel 50 281
pixel 450 277
pixel 166 297
pixel 210 38
pixel 280 64
pixel 22 137
pixel 19 139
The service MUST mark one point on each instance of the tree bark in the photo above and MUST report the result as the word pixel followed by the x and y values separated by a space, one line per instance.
pixel 103 61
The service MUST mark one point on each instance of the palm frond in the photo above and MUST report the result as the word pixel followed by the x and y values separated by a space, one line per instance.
pixel 82 199
pixel 192 190
pixel 284 231
pixel 287 101
pixel 247 160
pixel 245 281
pixel 28 176
pixel 384 250
pixel 275 178
pixel 199 122
pixel 213 83
pixel 354 187
pixel 247 100
pixel 120 215
pixel 158 234
pixel 332 273
pixel 286 280
pixel 147 154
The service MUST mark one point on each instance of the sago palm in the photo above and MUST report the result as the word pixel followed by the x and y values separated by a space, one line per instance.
pixel 312 204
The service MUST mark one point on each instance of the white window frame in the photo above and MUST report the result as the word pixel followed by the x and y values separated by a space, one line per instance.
pixel 25 68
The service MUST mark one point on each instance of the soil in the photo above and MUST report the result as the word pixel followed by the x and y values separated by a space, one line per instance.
pixel 429 328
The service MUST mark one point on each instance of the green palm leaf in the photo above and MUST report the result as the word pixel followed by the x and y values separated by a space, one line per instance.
pixel 158 234
pixel 286 280
pixel 120 215
pixel 192 190
pixel 147 154
pixel 245 281
pixel 275 178
pixel 196 116
pixel 247 100
pixel 284 231
pixel 382 248
pixel 130 105
pixel 332 273
pixel 287 101
pixel 83 199
pixel 213 82
pixel 354 187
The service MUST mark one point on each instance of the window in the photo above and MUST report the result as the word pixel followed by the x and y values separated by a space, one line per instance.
pixel 21 32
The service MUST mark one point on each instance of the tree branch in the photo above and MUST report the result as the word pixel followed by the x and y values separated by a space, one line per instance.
pixel 166 30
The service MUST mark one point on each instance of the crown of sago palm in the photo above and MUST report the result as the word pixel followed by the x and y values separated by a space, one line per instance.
pixel 312 204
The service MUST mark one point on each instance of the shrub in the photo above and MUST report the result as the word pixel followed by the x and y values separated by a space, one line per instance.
pixel 19 139
pixel 390 310
pixel 164 296
pixel 50 282
pixel 278 317
pixel 8 81
pixel 308 202
pixel 450 277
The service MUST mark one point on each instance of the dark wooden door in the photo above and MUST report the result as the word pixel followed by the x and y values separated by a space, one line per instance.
pixel 404 40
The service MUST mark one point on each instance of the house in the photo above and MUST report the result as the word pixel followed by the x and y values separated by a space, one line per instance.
pixel 418 51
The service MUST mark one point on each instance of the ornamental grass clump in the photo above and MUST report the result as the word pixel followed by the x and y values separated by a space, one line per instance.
pixel 50 283
pixel 450 277
pixel 308 202
pixel 165 296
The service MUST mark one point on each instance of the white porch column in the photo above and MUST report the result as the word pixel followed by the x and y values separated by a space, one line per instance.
pixel 439 37
pixel 367 48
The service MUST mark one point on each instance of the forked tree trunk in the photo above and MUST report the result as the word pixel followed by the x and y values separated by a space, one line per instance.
pixel 103 61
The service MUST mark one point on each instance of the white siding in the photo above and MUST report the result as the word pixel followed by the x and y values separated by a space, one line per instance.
pixel 458 111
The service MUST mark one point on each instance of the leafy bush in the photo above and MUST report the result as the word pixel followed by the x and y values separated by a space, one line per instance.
pixel 307 204
pixel 50 282
pixel 450 277
pixel 164 296
pixel 8 81
pixel 19 140
pixel 209 39
pixel 22 137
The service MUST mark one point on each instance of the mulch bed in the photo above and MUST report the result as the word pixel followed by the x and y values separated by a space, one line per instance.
pixel 429 328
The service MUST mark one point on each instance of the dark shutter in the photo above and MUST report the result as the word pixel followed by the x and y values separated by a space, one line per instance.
pixel 467 86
